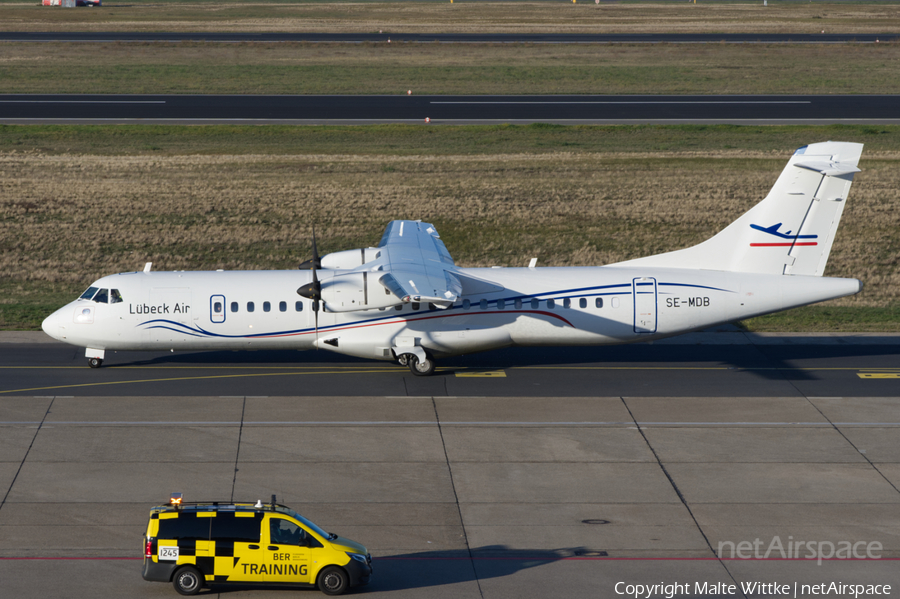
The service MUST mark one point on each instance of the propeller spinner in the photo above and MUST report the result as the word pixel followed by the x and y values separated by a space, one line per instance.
pixel 313 290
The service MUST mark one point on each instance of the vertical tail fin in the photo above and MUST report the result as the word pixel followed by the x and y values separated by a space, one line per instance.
pixel 791 231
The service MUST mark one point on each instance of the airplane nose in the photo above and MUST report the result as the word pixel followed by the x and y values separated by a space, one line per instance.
pixel 51 325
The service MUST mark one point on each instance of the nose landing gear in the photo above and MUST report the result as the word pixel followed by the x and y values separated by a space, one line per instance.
pixel 94 357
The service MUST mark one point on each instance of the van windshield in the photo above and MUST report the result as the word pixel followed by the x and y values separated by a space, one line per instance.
pixel 307 523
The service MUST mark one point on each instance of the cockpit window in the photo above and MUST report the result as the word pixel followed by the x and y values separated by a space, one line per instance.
pixel 89 293
pixel 102 296
pixel 114 296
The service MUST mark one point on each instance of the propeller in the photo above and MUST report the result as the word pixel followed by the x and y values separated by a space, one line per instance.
pixel 313 290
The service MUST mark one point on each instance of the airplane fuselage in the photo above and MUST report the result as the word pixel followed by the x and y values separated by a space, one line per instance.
pixel 522 306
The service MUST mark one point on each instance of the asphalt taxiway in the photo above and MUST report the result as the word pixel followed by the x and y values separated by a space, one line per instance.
pixel 552 474
pixel 357 109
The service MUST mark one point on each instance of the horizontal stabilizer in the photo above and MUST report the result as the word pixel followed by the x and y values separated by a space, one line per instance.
pixel 831 169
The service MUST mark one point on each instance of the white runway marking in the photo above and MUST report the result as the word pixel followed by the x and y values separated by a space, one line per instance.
pixel 624 102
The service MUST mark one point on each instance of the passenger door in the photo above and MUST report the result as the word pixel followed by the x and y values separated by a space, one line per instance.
pixel 217 309
pixel 287 551
pixel 644 305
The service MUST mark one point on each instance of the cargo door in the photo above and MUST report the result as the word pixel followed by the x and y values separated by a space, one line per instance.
pixel 168 314
pixel 644 290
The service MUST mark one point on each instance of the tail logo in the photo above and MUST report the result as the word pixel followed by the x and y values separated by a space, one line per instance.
pixel 792 240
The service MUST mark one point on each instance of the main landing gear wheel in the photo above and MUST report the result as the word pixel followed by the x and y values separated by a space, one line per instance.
pixel 421 368
pixel 95 362
pixel 188 581
pixel 333 581
pixel 403 360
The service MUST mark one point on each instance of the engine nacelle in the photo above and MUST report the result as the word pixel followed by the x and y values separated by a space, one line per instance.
pixel 349 259
pixel 347 292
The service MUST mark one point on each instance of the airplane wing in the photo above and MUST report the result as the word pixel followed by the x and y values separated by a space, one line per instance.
pixel 417 264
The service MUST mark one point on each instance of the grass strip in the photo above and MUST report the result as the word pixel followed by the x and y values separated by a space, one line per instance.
pixel 514 69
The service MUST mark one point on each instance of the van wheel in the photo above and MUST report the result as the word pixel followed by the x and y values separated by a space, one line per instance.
pixel 333 581
pixel 188 581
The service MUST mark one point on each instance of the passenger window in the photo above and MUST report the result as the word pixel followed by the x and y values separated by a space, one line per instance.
pixel 415 305
pixel 501 304
pixel 551 304
pixel 285 532
pixel 598 302
pixel 518 304
pixel 234 306
pixel 298 306
pixel 89 293
pixel 251 306
pixel 217 307
pixel 466 304
pixel 567 303
pixel 114 296
pixel 267 307
pixel 102 296
pixel 398 307
pixel 282 306
pixel 582 303
pixel 535 304
pixel 483 304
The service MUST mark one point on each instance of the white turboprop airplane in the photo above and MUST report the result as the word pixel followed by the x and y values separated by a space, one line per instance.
pixel 406 300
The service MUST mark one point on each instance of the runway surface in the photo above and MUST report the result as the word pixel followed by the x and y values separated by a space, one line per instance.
pixel 20 108
pixel 697 365
pixel 533 474
pixel 451 38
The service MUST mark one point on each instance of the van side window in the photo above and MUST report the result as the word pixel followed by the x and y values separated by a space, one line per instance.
pixel 185 526
pixel 228 527
pixel 285 532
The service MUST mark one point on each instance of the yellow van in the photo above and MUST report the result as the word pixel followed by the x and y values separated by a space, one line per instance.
pixel 195 544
